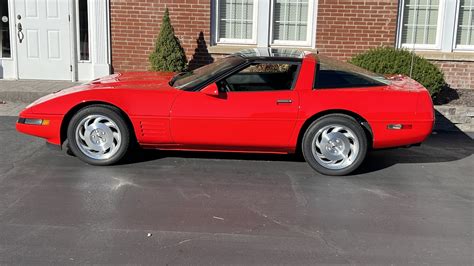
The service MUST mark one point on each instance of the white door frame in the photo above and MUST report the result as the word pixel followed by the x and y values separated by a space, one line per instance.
pixel 99 63
pixel 73 39
pixel 100 54
pixel 12 61
pixel 14 39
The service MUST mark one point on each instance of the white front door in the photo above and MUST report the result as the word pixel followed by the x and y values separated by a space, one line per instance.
pixel 43 39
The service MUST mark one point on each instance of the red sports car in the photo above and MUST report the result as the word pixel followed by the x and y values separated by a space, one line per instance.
pixel 257 101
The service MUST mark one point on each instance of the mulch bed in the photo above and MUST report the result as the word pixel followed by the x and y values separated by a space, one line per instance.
pixel 455 97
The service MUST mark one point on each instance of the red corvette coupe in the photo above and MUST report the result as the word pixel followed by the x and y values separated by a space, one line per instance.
pixel 259 101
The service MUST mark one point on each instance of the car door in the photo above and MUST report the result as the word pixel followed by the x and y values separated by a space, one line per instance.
pixel 257 117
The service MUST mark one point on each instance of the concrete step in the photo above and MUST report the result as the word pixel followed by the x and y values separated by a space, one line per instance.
pixel 21 96
pixel 27 91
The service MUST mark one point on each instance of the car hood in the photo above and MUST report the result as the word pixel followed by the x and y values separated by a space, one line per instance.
pixel 148 80
pixel 131 80
pixel 121 81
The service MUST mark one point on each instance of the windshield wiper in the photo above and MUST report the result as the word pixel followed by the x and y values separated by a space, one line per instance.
pixel 175 77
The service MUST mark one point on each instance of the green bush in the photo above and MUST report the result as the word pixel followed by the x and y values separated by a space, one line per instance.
pixel 168 54
pixel 386 60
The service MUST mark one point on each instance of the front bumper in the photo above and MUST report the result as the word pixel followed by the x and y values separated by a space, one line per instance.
pixel 43 126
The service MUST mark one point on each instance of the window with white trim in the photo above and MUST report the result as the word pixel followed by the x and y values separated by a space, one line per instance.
pixel 420 22
pixel 265 22
pixel 290 21
pixel 236 21
pixel 445 25
pixel 83 30
pixel 465 30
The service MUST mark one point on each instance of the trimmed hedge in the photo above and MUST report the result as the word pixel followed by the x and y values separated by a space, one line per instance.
pixel 168 54
pixel 387 60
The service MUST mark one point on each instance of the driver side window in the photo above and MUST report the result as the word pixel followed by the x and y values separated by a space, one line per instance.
pixel 261 77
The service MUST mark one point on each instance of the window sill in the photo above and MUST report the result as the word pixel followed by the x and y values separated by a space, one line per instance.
pixel 447 56
pixel 230 49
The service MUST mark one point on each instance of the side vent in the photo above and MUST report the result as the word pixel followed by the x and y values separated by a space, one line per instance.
pixel 155 130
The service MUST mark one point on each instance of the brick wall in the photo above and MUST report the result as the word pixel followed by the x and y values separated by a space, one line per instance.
pixel 135 25
pixel 348 27
pixel 344 28
pixel 458 74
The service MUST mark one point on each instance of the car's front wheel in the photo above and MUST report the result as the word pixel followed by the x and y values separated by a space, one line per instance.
pixel 98 135
pixel 334 145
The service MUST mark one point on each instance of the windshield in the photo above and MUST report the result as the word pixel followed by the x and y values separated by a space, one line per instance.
pixel 191 79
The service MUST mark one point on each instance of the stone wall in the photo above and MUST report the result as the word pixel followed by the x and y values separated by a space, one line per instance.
pixel 454 118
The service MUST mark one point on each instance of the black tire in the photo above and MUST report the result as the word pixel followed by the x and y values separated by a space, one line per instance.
pixel 66 148
pixel 324 165
pixel 120 128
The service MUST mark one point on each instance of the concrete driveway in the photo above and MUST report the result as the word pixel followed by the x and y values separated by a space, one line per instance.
pixel 405 206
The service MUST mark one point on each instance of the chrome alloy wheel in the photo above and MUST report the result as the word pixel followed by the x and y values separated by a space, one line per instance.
pixel 335 147
pixel 98 137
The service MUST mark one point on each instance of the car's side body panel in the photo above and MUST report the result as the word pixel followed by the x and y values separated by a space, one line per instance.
pixel 379 106
pixel 247 120
pixel 404 101
pixel 146 104
pixel 244 121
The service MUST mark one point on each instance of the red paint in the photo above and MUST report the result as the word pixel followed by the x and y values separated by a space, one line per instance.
pixel 167 118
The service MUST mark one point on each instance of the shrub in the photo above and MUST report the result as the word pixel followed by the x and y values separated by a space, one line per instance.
pixel 386 60
pixel 168 54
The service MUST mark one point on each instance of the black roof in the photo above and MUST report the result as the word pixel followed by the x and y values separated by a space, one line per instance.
pixel 271 53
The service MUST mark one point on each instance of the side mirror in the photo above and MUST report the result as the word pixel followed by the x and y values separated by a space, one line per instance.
pixel 211 90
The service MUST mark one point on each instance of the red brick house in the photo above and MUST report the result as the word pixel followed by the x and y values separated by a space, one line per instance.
pixel 118 35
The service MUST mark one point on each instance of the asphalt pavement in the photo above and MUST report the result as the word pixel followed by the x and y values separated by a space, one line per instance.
pixel 404 206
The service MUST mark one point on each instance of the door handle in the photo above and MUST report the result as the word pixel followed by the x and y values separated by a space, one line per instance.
pixel 21 36
pixel 284 101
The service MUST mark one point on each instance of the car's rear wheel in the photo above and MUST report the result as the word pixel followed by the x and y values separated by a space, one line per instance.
pixel 98 135
pixel 334 144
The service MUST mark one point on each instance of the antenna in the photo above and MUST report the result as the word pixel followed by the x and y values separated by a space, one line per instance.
pixel 412 58
pixel 413 38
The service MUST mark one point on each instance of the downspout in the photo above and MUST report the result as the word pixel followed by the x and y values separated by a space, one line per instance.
pixel 109 36
pixel 399 23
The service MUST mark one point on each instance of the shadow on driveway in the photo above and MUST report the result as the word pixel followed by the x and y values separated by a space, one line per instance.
pixel 438 148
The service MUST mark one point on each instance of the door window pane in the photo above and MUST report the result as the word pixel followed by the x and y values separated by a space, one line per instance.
pixel 465 35
pixel 5 51
pixel 290 20
pixel 236 19
pixel 420 21
pixel 83 31
pixel 262 77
